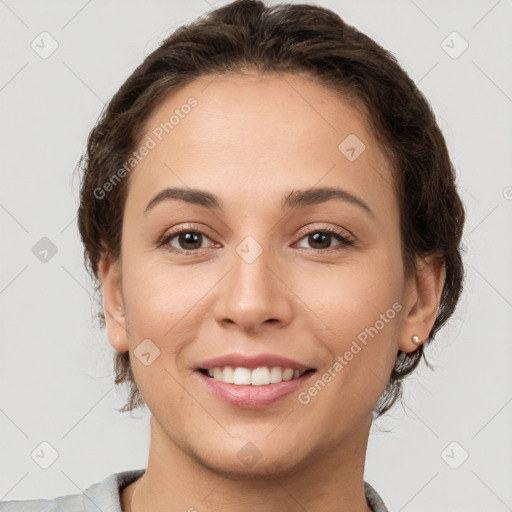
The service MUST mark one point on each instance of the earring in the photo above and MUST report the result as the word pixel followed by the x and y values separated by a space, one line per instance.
pixel 416 340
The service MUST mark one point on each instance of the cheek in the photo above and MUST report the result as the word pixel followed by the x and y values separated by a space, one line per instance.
pixel 351 296
pixel 360 310
pixel 159 305
pixel 362 319
pixel 159 295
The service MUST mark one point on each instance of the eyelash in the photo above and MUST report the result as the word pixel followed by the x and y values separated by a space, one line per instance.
pixel 338 234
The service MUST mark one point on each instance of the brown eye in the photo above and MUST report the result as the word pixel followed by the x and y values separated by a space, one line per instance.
pixel 185 240
pixel 322 239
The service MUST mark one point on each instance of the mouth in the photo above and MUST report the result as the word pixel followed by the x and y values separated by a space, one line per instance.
pixel 260 376
pixel 252 380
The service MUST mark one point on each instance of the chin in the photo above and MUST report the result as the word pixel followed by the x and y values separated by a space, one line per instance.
pixel 248 457
pixel 261 467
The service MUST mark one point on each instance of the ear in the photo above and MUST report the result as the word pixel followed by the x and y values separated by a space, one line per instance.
pixel 113 303
pixel 421 302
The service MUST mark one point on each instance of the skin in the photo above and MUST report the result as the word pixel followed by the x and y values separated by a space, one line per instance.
pixel 250 140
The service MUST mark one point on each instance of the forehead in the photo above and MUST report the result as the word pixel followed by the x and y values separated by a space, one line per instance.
pixel 251 132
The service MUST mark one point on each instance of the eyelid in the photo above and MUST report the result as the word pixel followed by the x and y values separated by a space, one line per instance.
pixel 341 232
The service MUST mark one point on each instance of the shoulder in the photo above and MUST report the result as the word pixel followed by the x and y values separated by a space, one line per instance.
pixel 103 495
pixel 70 503
pixel 373 499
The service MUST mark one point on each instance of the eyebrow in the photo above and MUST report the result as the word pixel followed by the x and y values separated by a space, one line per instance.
pixel 294 199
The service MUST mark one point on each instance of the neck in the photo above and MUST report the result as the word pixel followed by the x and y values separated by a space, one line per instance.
pixel 174 480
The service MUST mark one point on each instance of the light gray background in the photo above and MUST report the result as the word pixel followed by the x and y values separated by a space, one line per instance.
pixel 56 365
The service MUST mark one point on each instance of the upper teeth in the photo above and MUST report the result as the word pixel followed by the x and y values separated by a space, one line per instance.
pixel 258 377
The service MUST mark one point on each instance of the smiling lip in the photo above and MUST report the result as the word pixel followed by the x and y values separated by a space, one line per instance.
pixel 252 397
pixel 248 396
pixel 252 362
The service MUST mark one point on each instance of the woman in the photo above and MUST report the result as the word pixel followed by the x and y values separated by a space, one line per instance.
pixel 270 211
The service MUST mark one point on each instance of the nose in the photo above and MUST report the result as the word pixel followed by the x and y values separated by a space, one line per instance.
pixel 254 296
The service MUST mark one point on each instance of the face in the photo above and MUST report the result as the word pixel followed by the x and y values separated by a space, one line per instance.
pixel 259 268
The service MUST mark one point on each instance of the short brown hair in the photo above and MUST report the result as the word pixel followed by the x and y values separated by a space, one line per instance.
pixel 286 38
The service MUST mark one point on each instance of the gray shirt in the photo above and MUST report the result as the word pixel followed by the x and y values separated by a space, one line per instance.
pixel 104 496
